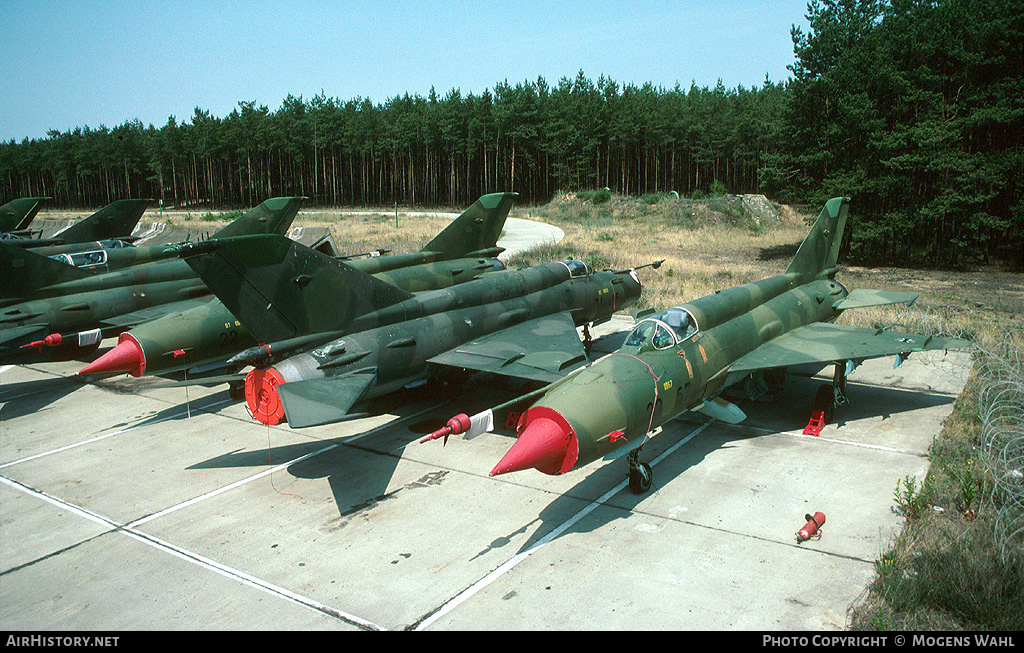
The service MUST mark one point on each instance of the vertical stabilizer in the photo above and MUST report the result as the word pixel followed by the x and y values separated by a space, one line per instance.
pixel 478 228
pixel 274 216
pixel 280 289
pixel 18 214
pixel 115 220
pixel 24 272
pixel 820 250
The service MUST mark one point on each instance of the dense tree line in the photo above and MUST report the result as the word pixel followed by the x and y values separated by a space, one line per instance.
pixel 531 138
pixel 912 107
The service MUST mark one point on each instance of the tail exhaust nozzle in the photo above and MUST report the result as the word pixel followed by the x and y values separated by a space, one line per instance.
pixel 262 398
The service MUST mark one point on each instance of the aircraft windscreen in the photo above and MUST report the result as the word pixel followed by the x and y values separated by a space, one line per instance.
pixel 82 259
pixel 63 258
pixel 653 332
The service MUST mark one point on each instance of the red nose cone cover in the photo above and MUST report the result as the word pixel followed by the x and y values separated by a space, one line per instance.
pixel 127 356
pixel 261 395
pixel 546 442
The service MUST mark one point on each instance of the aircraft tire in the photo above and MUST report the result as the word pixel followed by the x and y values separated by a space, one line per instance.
pixel 640 478
pixel 825 401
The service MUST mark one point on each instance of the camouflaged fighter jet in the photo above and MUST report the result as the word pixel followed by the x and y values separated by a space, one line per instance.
pixel 53 311
pixel 117 254
pixel 333 337
pixel 17 215
pixel 111 225
pixel 683 358
pixel 202 339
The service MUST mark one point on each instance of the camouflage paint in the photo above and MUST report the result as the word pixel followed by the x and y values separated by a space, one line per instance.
pixel 206 336
pixel 336 336
pixel 43 297
pixel 682 358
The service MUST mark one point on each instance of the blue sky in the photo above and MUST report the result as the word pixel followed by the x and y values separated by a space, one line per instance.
pixel 76 63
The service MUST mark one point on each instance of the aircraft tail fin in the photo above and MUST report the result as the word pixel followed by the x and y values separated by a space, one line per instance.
pixel 24 272
pixel 819 251
pixel 273 216
pixel 280 289
pixel 18 214
pixel 115 220
pixel 478 228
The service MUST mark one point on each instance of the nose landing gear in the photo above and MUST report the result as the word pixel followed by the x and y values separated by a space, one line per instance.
pixel 640 474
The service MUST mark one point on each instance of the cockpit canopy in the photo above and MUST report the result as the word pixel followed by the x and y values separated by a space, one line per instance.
pixel 83 259
pixel 662 330
pixel 680 320
pixel 115 244
pixel 577 268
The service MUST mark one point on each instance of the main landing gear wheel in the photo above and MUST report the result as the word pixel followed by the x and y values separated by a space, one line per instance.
pixel 640 474
pixel 825 401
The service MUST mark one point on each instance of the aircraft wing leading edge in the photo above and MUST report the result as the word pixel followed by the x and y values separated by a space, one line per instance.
pixel 823 342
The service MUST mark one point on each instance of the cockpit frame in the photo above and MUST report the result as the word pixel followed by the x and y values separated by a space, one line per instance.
pixel 89 259
pixel 577 269
pixel 663 330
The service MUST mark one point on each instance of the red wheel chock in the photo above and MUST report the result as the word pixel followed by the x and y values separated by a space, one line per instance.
pixel 815 425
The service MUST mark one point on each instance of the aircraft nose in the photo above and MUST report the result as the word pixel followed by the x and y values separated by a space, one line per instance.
pixel 546 443
pixel 127 356
pixel 633 286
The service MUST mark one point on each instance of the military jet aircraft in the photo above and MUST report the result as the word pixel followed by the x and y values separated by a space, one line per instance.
pixel 332 337
pixel 53 311
pixel 112 254
pixel 201 340
pixel 683 359
pixel 17 215
pixel 113 222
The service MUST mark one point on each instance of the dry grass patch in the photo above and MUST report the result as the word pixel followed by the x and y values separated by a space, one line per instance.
pixel 363 231
pixel 703 250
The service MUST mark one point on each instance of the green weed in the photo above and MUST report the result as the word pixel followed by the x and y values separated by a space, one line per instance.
pixel 911 502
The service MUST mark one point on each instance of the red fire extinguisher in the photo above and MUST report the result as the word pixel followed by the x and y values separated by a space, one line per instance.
pixel 812 529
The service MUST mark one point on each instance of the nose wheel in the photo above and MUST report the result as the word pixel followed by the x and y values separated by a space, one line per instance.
pixel 640 474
